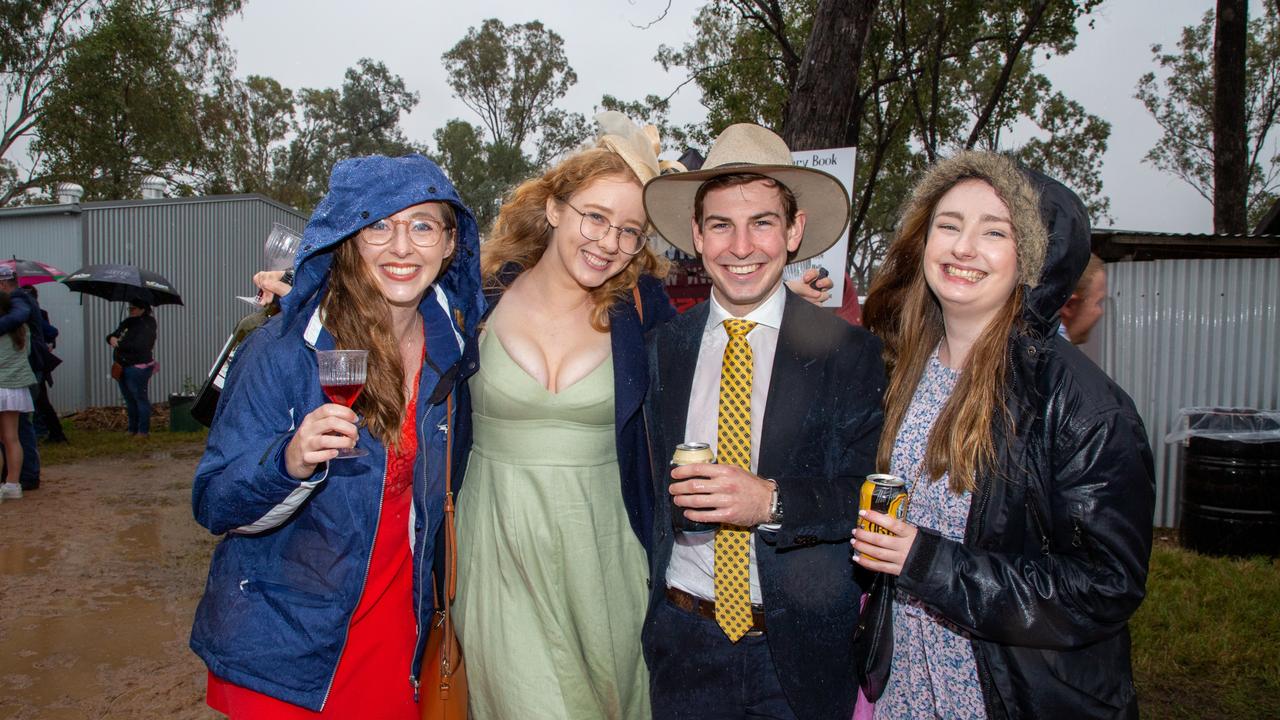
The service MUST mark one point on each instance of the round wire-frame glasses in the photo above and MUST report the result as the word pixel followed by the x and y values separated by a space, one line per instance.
pixel 595 226
pixel 423 232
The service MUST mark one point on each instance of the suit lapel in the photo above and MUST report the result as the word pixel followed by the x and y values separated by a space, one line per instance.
pixel 677 358
pixel 793 388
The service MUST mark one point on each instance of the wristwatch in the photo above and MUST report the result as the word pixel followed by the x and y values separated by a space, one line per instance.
pixel 775 505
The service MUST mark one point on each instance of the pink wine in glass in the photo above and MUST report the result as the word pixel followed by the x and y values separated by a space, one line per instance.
pixel 343 394
pixel 342 377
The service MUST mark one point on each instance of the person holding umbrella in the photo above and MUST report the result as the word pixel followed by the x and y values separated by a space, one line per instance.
pixel 134 341
pixel 16 378
pixel 46 420
pixel 24 312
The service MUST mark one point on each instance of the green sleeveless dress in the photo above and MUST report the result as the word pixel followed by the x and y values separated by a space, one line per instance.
pixel 551 578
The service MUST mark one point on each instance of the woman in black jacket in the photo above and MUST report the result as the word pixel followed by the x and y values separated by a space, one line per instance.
pixel 1025 546
pixel 134 341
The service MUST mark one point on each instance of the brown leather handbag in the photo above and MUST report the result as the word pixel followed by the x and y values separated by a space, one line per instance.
pixel 444 675
pixel 117 371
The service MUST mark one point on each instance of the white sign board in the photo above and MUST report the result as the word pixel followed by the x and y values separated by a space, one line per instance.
pixel 837 162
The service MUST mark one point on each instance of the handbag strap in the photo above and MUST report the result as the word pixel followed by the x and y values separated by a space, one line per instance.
pixel 635 295
pixel 448 663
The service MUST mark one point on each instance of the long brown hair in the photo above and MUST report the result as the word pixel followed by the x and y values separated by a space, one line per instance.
pixel 903 311
pixel 19 334
pixel 521 232
pixel 359 318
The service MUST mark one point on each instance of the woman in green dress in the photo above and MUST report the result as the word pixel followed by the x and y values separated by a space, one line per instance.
pixel 555 510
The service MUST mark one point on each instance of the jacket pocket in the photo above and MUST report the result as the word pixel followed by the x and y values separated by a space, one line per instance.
pixel 287 593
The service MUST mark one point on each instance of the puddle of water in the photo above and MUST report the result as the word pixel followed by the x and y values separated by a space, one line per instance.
pixel 56 662
pixel 22 559
pixel 141 541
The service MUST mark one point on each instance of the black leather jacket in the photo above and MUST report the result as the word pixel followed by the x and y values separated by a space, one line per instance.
pixel 1054 559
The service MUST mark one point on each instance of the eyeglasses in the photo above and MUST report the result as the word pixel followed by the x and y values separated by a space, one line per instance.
pixel 423 232
pixel 595 226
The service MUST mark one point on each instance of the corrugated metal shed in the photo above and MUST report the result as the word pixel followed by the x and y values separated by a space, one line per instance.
pixel 51 234
pixel 1191 332
pixel 208 247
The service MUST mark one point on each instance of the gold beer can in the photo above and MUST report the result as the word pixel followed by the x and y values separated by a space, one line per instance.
pixel 884 494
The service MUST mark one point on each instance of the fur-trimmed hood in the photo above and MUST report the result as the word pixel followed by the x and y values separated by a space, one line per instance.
pixel 1066 220
pixel 1013 187
pixel 1051 226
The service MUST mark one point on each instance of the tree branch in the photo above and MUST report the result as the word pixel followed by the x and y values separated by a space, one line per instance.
pixel 656 20
pixel 1011 57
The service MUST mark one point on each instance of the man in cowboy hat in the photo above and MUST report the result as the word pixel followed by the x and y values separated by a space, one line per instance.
pixel 756 616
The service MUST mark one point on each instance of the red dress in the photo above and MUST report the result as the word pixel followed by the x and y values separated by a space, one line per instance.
pixel 373 673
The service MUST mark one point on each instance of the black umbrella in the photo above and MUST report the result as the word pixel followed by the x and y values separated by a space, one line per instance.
pixel 123 282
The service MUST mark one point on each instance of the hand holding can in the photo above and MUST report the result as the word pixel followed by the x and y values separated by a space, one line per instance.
pixel 882 493
pixel 689 454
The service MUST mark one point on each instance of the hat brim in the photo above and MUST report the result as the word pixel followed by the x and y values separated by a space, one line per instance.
pixel 668 201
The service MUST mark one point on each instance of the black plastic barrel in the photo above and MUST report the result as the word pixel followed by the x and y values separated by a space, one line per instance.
pixel 1231 496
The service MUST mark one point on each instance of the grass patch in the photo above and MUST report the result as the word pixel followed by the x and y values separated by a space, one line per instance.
pixel 91 444
pixel 1206 642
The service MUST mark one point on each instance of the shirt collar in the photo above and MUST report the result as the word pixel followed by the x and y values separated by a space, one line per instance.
pixel 769 313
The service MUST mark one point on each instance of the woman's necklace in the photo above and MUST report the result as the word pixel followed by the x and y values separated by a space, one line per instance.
pixel 411 354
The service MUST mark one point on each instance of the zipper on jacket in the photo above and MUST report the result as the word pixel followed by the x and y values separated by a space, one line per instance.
pixel 986 684
pixel 422 550
pixel 1035 516
pixel 365 581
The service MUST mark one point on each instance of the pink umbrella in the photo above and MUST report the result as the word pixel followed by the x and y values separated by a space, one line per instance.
pixel 30 272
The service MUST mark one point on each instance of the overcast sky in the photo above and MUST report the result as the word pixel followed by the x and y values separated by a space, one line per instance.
pixel 311 43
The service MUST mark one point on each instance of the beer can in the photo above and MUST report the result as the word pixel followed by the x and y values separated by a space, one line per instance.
pixel 689 454
pixel 884 494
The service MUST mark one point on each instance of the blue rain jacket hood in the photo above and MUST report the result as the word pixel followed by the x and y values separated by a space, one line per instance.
pixel 366 189
pixel 292 566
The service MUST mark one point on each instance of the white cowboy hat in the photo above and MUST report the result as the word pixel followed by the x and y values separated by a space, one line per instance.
pixel 668 199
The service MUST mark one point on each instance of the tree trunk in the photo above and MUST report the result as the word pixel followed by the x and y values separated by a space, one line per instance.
pixel 820 111
pixel 1230 158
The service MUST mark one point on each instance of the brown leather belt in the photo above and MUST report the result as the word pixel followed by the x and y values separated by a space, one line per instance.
pixel 707 609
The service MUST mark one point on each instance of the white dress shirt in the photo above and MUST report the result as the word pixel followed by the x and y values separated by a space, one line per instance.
pixel 692 563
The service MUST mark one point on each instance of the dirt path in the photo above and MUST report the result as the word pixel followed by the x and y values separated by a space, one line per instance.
pixel 100 572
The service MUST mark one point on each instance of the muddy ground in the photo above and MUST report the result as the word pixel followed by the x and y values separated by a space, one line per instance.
pixel 100 572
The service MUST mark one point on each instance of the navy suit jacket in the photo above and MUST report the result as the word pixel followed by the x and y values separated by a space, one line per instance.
pixel 821 425
pixel 630 382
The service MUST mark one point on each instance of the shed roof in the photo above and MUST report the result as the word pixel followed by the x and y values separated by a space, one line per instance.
pixel 1113 244
pixel 77 208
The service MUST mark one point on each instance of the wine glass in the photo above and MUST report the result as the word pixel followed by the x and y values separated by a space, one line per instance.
pixel 342 376
pixel 277 254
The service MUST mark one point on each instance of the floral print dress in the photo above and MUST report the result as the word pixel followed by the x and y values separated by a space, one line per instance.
pixel 934 674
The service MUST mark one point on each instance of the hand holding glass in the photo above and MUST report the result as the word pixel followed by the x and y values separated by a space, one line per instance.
pixel 277 254
pixel 342 376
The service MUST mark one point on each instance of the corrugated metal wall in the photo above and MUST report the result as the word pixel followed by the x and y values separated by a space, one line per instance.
pixel 54 238
pixel 208 248
pixel 1186 333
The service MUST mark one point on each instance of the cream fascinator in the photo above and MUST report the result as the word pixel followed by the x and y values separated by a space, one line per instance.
pixel 638 146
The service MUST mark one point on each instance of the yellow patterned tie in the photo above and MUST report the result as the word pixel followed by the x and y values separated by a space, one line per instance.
pixel 733 441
